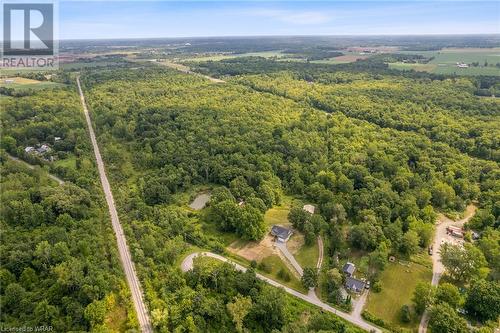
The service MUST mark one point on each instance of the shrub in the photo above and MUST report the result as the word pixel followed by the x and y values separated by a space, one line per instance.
pixel 284 275
pixel 263 266
pixel 405 314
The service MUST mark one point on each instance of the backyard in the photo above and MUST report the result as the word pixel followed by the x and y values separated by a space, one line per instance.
pixel 398 281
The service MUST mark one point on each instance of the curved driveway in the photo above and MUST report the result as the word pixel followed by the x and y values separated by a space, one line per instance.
pixel 187 264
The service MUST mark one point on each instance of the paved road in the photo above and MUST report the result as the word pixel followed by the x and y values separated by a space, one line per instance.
pixel 32 167
pixel 126 259
pixel 187 264
pixel 282 247
pixel 437 266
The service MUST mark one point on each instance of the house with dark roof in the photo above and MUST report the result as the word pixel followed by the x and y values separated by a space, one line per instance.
pixel 354 284
pixel 282 234
pixel 349 269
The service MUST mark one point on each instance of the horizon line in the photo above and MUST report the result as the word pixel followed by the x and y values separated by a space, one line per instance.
pixel 293 35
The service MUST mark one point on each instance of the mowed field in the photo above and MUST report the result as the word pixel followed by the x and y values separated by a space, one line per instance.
pixel 445 61
pixel 398 283
pixel 219 57
pixel 16 82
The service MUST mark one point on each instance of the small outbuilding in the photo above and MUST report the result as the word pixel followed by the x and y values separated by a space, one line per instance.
pixel 281 233
pixel 349 269
pixel 309 208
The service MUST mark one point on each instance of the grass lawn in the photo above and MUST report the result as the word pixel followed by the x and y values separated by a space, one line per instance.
pixel 69 162
pixel 276 264
pixel 279 214
pixel 307 256
pixel 398 283
pixel 24 83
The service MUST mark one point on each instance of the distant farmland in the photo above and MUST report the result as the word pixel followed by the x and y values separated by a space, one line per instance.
pixel 445 61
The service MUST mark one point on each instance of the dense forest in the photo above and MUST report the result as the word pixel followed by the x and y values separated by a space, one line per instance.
pixel 380 153
pixel 59 263
pixel 377 183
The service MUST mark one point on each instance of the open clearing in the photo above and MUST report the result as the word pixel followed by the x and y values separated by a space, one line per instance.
pixel 219 57
pixel 344 59
pixel 445 61
pixel 200 201
pixel 253 250
pixel 398 283
pixel 24 83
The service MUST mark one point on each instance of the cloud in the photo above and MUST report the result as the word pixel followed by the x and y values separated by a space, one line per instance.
pixel 293 16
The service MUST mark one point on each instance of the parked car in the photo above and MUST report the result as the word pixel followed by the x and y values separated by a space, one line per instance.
pixel 430 250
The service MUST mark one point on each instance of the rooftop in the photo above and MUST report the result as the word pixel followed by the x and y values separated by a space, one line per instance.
pixel 349 268
pixel 354 284
pixel 309 208
pixel 280 231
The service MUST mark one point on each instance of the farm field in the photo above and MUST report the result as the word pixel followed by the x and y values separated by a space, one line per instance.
pixel 219 57
pixel 24 83
pixel 445 60
pixel 398 282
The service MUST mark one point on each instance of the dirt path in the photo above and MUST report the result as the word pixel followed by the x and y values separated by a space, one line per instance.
pixel 187 264
pixel 125 257
pixel 320 256
pixel 359 304
pixel 441 236
pixel 187 70
pixel 33 167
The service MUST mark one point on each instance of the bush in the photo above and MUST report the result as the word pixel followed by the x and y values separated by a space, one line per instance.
pixel 380 322
pixel 265 267
pixel 284 275
pixel 405 314
pixel 377 287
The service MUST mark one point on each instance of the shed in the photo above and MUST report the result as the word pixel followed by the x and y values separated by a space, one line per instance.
pixel 309 208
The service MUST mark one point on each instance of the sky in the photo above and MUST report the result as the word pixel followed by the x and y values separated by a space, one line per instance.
pixel 156 19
